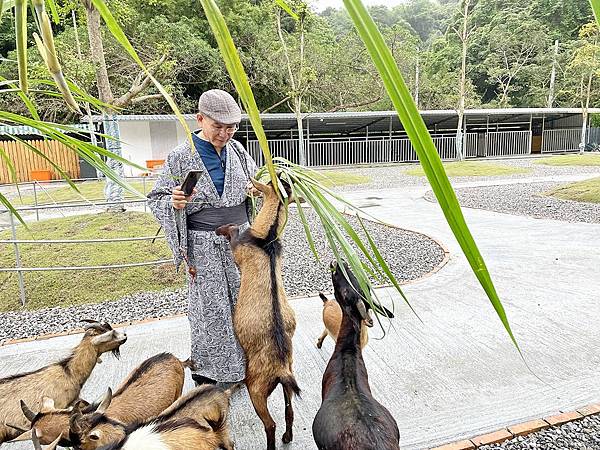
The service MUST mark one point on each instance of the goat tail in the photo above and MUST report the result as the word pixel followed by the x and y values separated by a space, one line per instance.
pixel 290 382
pixel 323 297
pixel 189 364
pixel 234 388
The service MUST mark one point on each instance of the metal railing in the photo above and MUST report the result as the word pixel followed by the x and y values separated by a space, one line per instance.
pixel 508 143
pixel 345 152
pixel 21 270
pixel 561 140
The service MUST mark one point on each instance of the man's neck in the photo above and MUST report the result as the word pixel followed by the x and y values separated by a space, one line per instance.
pixel 203 137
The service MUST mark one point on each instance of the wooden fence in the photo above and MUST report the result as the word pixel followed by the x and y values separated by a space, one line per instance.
pixel 25 160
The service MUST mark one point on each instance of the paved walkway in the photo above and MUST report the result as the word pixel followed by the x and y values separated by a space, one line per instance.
pixel 454 375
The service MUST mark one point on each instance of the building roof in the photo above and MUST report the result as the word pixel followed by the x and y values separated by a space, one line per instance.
pixel 346 123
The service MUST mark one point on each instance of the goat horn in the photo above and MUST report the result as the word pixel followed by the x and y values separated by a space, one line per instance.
pixel 35 440
pixel 105 402
pixel 16 427
pixel 54 444
pixel 27 412
pixel 24 436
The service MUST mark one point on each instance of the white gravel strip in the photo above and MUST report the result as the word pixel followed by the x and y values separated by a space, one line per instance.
pixel 526 200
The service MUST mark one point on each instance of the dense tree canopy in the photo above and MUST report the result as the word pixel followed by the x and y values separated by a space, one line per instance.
pixel 509 59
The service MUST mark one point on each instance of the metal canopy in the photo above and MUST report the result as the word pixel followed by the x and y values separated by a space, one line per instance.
pixel 378 122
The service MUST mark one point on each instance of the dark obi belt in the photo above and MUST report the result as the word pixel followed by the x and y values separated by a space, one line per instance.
pixel 209 218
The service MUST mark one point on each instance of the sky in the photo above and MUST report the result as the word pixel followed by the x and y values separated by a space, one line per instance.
pixel 320 5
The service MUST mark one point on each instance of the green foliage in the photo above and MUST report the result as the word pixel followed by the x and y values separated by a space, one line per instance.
pixel 587 159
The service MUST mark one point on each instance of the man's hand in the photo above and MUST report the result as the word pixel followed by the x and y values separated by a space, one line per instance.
pixel 179 198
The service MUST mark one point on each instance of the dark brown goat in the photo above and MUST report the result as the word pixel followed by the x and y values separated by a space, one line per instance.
pixel 60 382
pixel 151 388
pixel 263 320
pixel 349 417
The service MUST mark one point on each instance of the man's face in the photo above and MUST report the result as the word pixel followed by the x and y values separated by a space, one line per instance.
pixel 218 134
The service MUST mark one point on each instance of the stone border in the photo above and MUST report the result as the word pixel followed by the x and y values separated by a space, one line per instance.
pixel 521 429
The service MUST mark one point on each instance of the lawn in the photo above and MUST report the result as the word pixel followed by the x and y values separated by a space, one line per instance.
pixel 94 190
pixel 587 159
pixel 90 190
pixel 65 288
pixel 472 169
pixel 583 191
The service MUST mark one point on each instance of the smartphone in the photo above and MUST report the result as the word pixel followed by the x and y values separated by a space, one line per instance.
pixel 190 181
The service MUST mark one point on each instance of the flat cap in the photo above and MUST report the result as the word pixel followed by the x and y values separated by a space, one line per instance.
pixel 219 106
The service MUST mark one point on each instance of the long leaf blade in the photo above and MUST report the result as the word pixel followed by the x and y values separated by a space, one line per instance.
pixel 423 144
pixel 238 76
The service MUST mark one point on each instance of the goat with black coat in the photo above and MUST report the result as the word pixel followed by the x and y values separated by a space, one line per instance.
pixel 349 417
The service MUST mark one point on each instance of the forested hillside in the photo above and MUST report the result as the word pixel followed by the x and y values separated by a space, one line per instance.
pixel 511 54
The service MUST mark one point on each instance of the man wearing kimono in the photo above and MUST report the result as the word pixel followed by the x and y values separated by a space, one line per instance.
pixel 189 223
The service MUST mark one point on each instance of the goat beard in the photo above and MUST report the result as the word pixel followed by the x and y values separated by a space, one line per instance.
pixel 117 353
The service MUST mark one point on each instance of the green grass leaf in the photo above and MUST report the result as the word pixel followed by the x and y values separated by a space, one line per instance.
pixel 426 151
pixel 238 76
pixel 283 5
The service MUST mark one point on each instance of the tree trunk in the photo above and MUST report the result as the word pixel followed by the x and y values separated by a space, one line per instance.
pixel 553 76
pixel 301 150
pixel 113 192
pixel 97 52
pixel 464 37
pixel 584 114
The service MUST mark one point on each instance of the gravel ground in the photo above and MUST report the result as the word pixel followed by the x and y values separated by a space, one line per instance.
pixel 526 200
pixel 581 434
pixel 410 255
pixel 384 177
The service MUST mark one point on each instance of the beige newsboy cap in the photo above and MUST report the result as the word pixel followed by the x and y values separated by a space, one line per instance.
pixel 219 106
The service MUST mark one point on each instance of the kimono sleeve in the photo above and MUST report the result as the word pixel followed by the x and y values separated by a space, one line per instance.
pixel 170 219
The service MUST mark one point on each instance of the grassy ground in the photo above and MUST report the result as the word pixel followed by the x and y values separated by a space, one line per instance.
pixel 583 191
pixel 91 190
pixel 48 289
pixel 587 159
pixel 94 190
pixel 332 178
pixel 472 169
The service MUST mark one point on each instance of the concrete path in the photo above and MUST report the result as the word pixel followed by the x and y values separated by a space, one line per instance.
pixel 453 375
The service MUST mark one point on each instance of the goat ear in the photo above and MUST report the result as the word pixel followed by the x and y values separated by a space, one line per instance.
pixel 47 404
pixel 260 186
pixel 26 436
pixel 27 412
pixel 105 402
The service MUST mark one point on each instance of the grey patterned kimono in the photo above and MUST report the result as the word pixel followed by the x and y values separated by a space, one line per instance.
pixel 213 293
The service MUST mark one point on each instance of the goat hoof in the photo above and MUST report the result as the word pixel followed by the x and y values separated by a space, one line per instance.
pixel 287 437
pixel 319 344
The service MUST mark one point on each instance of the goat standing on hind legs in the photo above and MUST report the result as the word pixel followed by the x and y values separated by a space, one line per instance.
pixel 263 320
pixel 349 417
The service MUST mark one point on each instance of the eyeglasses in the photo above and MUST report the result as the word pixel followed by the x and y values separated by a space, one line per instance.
pixel 228 130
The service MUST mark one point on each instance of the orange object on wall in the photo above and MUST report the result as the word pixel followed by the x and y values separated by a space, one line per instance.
pixel 40 175
pixel 155 163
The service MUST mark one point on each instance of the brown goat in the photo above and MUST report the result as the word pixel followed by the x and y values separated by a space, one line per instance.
pixel 208 405
pixel 180 434
pixel 61 381
pixel 332 319
pixel 49 423
pixel 349 417
pixel 263 320
pixel 151 388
